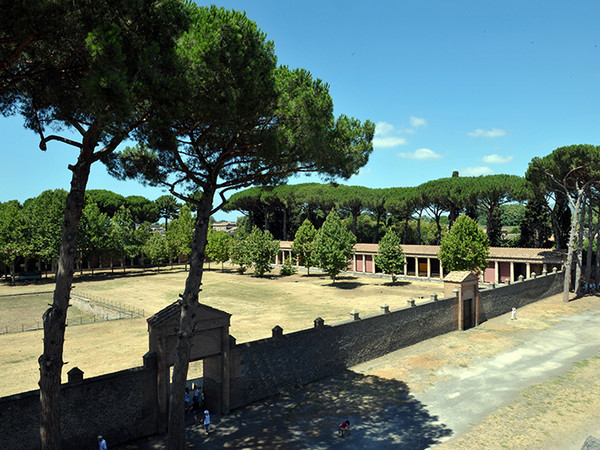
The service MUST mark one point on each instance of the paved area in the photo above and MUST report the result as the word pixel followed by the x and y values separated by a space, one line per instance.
pixel 398 401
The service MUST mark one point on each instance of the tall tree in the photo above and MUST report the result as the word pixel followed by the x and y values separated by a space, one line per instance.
pixel 575 170
pixel 44 215
pixel 102 72
pixel 464 247
pixel 180 234
pixel 13 242
pixel 304 245
pixel 535 226
pixel 167 207
pixel 217 248
pixel 246 121
pixel 334 245
pixel 263 249
pixel 390 256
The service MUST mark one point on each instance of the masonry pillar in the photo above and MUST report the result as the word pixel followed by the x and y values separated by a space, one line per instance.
pixel 512 271
pixel 416 266
pixel 405 269
pixel 354 262
pixel 364 265
pixel 441 271
pixel 428 267
pixel 528 271
pixel 496 272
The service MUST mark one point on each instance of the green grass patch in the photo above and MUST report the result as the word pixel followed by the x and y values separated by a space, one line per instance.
pixel 24 312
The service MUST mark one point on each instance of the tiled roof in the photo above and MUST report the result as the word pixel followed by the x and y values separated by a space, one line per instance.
pixel 173 312
pixel 458 276
pixel 496 253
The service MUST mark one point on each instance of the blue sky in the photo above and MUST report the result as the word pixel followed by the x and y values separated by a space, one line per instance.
pixel 480 87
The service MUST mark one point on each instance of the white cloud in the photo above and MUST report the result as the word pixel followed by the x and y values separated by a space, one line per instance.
pixel 417 122
pixel 383 128
pixel 388 142
pixel 496 159
pixel 386 136
pixel 475 171
pixel 420 153
pixel 494 132
pixel 364 171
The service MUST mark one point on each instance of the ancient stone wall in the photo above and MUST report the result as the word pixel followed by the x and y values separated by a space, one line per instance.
pixel 266 367
pixel 500 300
pixel 263 368
pixel 121 406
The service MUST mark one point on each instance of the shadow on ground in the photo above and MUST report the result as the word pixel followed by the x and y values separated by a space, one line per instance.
pixel 382 412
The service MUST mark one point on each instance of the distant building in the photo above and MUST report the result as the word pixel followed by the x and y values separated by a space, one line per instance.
pixel 227 227
pixel 504 264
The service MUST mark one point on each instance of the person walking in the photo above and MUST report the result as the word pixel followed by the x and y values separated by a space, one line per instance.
pixel 101 443
pixel 206 420
pixel 513 314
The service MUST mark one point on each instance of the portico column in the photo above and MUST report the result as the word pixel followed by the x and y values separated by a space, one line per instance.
pixel 496 272
pixel 364 267
pixel 512 271
pixel 428 267
pixel 528 271
pixel 354 262
pixel 405 268
pixel 416 266
pixel 441 271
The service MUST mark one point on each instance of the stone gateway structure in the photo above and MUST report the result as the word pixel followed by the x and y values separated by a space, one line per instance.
pixel 210 343
pixel 133 403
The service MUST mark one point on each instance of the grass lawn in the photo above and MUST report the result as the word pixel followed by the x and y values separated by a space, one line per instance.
pixel 24 312
pixel 256 304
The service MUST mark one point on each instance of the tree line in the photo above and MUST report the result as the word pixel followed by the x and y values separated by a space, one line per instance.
pixel 112 227
pixel 420 214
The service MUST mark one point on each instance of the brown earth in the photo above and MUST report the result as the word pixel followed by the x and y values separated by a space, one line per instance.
pixel 256 304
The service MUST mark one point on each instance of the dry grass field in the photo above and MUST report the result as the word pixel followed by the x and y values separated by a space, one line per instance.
pixel 256 305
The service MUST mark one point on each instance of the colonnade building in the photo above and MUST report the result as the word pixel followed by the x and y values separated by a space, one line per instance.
pixel 505 264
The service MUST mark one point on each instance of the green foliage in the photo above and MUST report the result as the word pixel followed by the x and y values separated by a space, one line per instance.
pixel 304 244
pixel 108 202
pixel 263 249
pixel 390 256
pixel 239 251
pixel 12 234
pixel 512 215
pixel 142 210
pixel 44 216
pixel 167 207
pixel 93 236
pixel 180 233
pixel 334 245
pixel 465 247
pixel 155 249
pixel 217 248
pixel 536 226
pixel 287 268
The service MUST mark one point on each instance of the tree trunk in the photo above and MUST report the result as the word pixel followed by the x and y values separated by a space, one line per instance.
pixel 588 257
pixel 285 224
pixel 579 251
pixel 419 229
pixel 54 318
pixel 189 305
pixel 597 277
pixel 571 248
